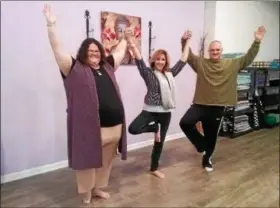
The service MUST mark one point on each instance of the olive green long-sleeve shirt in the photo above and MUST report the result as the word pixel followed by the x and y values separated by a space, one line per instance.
pixel 217 81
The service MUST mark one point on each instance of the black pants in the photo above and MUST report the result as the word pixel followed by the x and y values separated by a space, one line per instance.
pixel 210 117
pixel 141 125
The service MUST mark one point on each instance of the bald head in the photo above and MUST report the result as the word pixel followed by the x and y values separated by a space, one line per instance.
pixel 215 44
pixel 215 50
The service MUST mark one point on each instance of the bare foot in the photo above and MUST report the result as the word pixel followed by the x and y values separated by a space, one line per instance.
pixel 158 174
pixel 101 194
pixel 86 198
pixel 157 137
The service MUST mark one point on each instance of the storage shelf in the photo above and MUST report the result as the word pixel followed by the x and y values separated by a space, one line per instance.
pixel 258 75
pixel 262 69
pixel 270 95
pixel 243 111
pixel 234 135
pixel 272 107
pixel 243 90
pixel 232 113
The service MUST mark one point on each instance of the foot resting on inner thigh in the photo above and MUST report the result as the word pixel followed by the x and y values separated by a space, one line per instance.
pixel 157 134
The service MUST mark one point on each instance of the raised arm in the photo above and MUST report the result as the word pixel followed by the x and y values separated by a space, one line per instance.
pixel 186 47
pixel 131 44
pixel 63 59
pixel 251 54
pixel 192 59
pixel 143 69
pixel 119 53
pixel 177 68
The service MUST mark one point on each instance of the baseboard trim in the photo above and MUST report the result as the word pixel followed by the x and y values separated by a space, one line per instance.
pixel 150 142
pixel 33 171
pixel 63 164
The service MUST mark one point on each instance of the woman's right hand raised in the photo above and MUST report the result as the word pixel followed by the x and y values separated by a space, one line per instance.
pixel 128 33
pixel 50 18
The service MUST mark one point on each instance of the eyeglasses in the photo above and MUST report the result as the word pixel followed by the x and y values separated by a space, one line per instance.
pixel 93 51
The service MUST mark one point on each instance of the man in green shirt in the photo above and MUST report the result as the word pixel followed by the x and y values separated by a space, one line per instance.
pixel 216 87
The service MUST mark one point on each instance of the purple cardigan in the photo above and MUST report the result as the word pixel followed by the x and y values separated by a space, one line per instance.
pixel 83 124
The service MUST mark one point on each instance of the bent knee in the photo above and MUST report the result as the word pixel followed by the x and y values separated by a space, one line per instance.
pixel 185 124
pixel 132 129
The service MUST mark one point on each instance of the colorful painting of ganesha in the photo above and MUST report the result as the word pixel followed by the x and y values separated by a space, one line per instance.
pixel 112 30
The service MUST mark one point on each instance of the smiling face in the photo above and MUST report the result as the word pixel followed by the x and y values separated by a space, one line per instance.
pixel 91 52
pixel 215 51
pixel 160 62
pixel 94 55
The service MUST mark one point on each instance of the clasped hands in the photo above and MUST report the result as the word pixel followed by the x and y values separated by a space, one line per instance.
pixel 128 35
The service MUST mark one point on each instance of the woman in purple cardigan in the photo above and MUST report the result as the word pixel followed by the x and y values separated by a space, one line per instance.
pixel 95 114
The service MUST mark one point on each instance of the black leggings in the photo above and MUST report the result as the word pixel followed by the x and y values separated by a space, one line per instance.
pixel 141 124
pixel 210 117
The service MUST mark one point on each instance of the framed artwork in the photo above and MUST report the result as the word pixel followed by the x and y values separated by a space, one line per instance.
pixel 112 30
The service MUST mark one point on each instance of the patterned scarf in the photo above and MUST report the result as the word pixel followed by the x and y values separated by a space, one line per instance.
pixel 167 89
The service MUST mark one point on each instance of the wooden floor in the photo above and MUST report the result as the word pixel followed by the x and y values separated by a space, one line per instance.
pixel 246 175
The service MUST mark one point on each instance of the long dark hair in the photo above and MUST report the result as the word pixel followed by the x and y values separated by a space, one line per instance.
pixel 82 54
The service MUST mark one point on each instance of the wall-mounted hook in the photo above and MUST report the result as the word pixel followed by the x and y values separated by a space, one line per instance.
pixel 150 25
pixel 150 39
pixel 87 16
pixel 91 31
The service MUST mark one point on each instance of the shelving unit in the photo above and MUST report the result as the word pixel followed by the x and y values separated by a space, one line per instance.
pixel 259 100
pixel 266 96
pixel 238 120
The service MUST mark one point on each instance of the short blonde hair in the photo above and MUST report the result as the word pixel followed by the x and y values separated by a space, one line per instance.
pixel 155 56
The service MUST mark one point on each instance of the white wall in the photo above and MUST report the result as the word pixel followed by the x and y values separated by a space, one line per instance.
pixel 209 24
pixel 236 22
pixel 33 103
